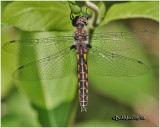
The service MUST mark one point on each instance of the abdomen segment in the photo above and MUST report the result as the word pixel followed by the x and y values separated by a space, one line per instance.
pixel 82 78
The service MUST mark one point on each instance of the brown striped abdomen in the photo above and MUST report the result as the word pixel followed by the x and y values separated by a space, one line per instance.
pixel 82 77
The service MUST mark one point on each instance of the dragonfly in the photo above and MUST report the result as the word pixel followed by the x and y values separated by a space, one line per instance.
pixel 65 55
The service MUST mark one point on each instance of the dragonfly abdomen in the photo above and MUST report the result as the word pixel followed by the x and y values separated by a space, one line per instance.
pixel 82 78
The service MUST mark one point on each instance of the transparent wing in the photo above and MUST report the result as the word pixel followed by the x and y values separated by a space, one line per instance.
pixel 119 41
pixel 39 47
pixel 55 66
pixel 106 63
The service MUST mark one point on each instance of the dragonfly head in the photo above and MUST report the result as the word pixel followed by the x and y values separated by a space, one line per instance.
pixel 79 20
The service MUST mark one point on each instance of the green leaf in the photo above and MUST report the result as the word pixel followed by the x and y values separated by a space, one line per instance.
pixel 18 112
pixel 4 5
pixel 38 16
pixel 51 98
pixel 8 61
pixel 102 9
pixel 54 117
pixel 80 3
pixel 10 121
pixel 132 10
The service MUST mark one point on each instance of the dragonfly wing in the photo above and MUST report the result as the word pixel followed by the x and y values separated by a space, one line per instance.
pixel 55 66
pixel 106 63
pixel 121 41
pixel 38 47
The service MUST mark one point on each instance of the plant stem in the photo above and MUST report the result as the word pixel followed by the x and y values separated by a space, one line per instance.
pixel 94 17
pixel 73 111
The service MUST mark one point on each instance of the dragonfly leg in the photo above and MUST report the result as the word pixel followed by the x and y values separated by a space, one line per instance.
pixel 71 15
pixel 87 16
pixel 73 47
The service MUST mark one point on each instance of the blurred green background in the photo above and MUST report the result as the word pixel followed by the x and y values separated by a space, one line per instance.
pixel 51 103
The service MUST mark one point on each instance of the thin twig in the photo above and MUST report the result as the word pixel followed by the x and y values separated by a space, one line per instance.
pixel 94 17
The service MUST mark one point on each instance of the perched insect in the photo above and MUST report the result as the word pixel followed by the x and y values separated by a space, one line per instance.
pixel 96 57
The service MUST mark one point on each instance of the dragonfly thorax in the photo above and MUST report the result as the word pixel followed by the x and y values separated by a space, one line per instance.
pixel 80 32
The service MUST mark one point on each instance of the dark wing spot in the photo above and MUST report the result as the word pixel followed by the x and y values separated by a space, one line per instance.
pixel 21 67
pixel 12 41
pixel 140 62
